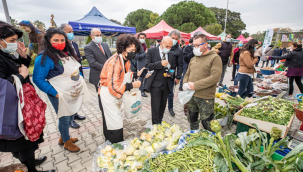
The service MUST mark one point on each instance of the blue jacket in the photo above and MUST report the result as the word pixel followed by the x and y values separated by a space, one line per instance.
pixel 44 72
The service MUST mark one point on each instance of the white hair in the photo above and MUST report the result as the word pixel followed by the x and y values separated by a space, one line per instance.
pixel 64 25
pixel 175 32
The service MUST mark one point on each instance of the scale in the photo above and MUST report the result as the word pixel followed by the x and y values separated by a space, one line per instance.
pixel 297 138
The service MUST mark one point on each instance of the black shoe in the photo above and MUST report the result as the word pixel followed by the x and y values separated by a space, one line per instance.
pixel 232 79
pixel 171 112
pixel 40 160
pixel 78 117
pixel 74 125
pixel 221 85
pixel 48 171
pixel 180 89
pixel 143 94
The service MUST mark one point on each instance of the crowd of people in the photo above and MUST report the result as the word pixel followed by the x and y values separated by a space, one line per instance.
pixel 58 73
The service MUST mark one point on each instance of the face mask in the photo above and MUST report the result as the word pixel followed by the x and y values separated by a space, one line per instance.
pixel 70 36
pixel 228 39
pixel 240 45
pixel 197 51
pixel 255 48
pixel 130 55
pixel 10 48
pixel 142 41
pixel 174 42
pixel 59 46
pixel 165 50
pixel 98 40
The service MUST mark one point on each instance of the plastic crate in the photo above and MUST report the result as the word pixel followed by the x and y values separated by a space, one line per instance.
pixel 224 89
pixel 297 97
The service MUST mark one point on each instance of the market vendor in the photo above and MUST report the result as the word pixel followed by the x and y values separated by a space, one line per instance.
pixel 294 62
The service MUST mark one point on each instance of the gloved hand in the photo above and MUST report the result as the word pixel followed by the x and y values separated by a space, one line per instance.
pixel 185 86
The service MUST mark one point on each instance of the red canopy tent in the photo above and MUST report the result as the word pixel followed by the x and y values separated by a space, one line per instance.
pixel 249 38
pixel 162 29
pixel 209 36
pixel 241 38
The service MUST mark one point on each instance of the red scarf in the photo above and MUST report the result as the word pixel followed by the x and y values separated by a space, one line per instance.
pixel 144 46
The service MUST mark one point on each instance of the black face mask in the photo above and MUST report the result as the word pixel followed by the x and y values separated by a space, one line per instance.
pixel 130 55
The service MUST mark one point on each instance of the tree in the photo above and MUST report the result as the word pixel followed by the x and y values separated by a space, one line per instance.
pixel 153 18
pixel 139 19
pixel 14 22
pixel 39 25
pixel 234 22
pixel 246 34
pixel 214 29
pixel 259 36
pixel 188 16
pixel 115 21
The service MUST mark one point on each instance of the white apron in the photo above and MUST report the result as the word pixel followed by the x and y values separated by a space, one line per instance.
pixel 112 106
pixel 71 88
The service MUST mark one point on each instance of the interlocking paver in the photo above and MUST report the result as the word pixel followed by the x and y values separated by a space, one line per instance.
pixel 85 156
pixel 76 166
pixel 59 157
pixel 62 166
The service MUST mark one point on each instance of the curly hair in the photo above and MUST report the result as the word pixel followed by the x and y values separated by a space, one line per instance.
pixel 33 35
pixel 52 52
pixel 7 30
pixel 250 46
pixel 125 40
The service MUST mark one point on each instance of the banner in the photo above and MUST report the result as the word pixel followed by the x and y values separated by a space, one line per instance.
pixel 267 40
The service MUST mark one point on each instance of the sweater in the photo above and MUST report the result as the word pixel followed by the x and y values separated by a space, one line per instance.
pixel 247 63
pixel 205 71
pixel 44 72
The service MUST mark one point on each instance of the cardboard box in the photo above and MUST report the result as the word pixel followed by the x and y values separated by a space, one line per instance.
pixel 263 125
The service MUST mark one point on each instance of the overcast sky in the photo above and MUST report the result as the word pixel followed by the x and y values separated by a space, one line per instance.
pixel 256 14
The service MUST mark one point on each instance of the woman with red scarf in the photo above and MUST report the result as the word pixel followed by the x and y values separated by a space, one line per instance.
pixel 57 74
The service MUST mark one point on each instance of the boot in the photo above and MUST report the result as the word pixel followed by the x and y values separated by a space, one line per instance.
pixel 193 120
pixel 69 145
pixel 206 122
pixel 74 140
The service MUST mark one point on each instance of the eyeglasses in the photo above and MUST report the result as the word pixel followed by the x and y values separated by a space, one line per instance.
pixel 200 45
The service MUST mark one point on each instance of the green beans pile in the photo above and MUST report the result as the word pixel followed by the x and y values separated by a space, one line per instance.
pixel 193 136
pixel 188 159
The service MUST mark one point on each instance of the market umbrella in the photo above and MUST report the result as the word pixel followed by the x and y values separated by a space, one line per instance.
pixel 241 38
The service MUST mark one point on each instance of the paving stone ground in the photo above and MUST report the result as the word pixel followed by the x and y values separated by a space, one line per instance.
pixel 90 134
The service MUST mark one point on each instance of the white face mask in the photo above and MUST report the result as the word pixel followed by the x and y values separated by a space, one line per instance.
pixel 10 48
pixel 142 41
pixel 197 51
pixel 98 40
pixel 228 39
pixel 174 42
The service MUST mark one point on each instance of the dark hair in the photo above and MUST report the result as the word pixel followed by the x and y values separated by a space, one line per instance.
pixel 270 46
pixel 295 44
pixel 141 34
pixel 125 40
pixel 202 36
pixel 159 40
pixel 250 46
pixel 7 30
pixel 33 35
pixel 190 40
pixel 51 52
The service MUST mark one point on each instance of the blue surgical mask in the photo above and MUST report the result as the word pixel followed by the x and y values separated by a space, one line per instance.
pixel 255 48
pixel 70 36
pixel 174 42
pixel 240 45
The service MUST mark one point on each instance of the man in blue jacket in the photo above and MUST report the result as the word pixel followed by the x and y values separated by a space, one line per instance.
pixel 276 53
pixel 70 35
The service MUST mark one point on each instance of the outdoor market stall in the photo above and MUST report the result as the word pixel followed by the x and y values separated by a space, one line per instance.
pixel 162 29
pixel 210 37
pixel 223 35
pixel 241 38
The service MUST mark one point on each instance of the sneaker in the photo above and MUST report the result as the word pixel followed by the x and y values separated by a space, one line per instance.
pixel 289 97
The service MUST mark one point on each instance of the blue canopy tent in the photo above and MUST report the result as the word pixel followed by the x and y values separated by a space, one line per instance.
pixel 95 19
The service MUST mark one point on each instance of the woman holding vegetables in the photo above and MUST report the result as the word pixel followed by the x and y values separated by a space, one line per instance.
pixel 294 62
pixel 247 69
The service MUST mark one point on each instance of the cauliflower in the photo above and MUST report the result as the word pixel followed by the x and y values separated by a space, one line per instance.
pixel 122 156
pixel 171 146
pixel 143 136
pixel 129 150
pixel 137 154
pixel 139 165
pixel 149 139
pixel 111 169
pixel 150 149
pixel 103 151
pixel 152 133
pixel 156 146
pixel 160 135
pixel 165 124
pixel 103 162
pixel 113 152
pixel 174 128
pixel 108 148
pixel 145 144
pixel 134 141
pixel 116 161
pixel 168 133
pixel 107 154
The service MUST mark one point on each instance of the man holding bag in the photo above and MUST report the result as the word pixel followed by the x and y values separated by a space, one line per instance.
pixel 203 73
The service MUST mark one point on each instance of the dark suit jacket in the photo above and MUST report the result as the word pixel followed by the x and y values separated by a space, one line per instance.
pixel 96 60
pixel 153 62
pixel 79 56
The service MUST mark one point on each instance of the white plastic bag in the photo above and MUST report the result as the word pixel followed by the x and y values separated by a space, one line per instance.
pixel 185 96
pixel 132 103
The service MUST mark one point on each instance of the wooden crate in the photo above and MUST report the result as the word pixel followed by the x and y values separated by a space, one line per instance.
pixel 263 125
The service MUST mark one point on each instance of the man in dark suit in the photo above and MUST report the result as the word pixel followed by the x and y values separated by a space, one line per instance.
pixel 159 60
pixel 70 35
pixel 96 53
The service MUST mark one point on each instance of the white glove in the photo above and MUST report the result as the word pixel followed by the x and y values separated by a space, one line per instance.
pixel 185 87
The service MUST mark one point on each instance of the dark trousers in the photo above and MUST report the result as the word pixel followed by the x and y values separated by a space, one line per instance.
pixel 291 84
pixel 185 65
pixel 234 71
pixel 246 85
pixel 263 62
pixel 114 136
pixel 257 64
pixel 171 95
pixel 143 81
pixel 158 102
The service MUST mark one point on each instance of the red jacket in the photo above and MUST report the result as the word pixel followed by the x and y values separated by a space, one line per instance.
pixel 235 50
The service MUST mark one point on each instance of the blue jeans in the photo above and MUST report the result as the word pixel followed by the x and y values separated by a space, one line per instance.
pixel 185 65
pixel 246 85
pixel 236 80
pixel 273 62
pixel 171 95
pixel 64 121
